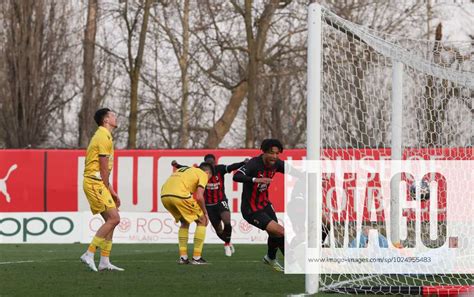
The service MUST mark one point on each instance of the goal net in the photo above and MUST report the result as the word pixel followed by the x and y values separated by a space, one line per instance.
pixel 380 96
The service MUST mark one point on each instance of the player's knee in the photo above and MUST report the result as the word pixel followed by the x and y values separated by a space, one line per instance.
pixel 226 221
pixel 281 233
pixel 202 221
pixel 114 220
pixel 274 229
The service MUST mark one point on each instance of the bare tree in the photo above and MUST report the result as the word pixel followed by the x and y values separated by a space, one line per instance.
pixel 281 94
pixel 222 126
pixel 282 100
pixel 135 63
pixel 255 46
pixel 89 102
pixel 180 43
pixel 35 70
pixel 196 63
pixel 234 59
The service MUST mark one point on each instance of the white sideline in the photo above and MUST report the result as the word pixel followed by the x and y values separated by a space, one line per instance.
pixel 122 261
pixel 18 262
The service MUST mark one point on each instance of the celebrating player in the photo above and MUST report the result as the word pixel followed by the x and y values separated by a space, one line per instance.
pixel 256 207
pixel 176 195
pixel 99 192
pixel 217 204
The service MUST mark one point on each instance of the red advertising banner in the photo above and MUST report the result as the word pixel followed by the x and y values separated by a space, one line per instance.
pixel 51 180
pixel 22 176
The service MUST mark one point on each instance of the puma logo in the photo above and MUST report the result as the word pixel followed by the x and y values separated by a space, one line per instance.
pixel 3 183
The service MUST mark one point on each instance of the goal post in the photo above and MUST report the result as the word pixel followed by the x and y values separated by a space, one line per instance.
pixel 313 137
pixel 379 96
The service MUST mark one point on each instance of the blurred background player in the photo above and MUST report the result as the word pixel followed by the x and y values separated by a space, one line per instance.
pixel 364 238
pixel 176 195
pixel 99 192
pixel 256 207
pixel 217 204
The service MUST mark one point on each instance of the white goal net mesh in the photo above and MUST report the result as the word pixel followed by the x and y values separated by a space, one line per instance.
pixel 356 116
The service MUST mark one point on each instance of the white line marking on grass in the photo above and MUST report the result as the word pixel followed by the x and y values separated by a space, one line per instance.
pixel 121 261
pixel 17 262
pixel 167 261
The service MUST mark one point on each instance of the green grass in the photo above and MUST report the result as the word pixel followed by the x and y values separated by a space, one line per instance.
pixel 151 270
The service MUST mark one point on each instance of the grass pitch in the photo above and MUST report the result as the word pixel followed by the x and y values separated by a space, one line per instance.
pixel 151 270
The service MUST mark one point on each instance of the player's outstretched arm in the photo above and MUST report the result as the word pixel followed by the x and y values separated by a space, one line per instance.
pixel 235 166
pixel 241 177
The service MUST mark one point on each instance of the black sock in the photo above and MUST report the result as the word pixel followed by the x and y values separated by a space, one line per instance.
pixel 227 233
pixel 221 235
pixel 281 244
pixel 272 247
pixel 219 231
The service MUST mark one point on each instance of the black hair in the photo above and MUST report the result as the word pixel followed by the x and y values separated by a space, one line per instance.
pixel 100 115
pixel 209 156
pixel 206 166
pixel 268 143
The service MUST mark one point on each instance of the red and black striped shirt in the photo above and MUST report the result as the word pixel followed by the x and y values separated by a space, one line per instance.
pixel 255 195
pixel 215 189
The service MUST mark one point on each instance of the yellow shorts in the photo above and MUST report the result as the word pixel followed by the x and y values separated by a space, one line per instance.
pixel 186 209
pixel 98 195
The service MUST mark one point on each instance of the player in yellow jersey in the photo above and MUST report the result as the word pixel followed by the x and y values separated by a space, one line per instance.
pixel 99 192
pixel 176 195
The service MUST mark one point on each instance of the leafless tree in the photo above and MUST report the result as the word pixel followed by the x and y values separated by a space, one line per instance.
pixel 35 69
pixel 134 61
pixel 235 39
pixel 256 42
pixel 90 102
pixel 211 73
pixel 178 36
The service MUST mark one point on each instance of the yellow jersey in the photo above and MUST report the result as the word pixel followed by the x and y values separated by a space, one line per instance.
pixel 101 144
pixel 184 182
